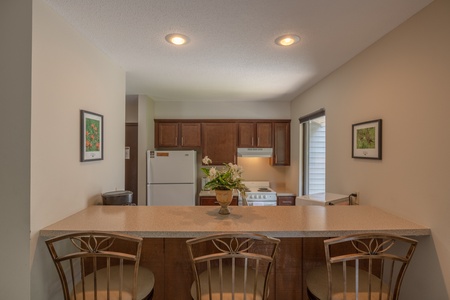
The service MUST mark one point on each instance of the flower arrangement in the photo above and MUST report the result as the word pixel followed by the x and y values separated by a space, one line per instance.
pixel 228 178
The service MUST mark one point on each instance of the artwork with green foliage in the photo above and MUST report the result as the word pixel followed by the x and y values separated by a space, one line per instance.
pixel 91 132
pixel 365 138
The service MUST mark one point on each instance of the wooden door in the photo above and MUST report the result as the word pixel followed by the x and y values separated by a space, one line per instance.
pixel 282 147
pixel 264 135
pixel 131 164
pixel 191 135
pixel 166 135
pixel 219 142
pixel 246 135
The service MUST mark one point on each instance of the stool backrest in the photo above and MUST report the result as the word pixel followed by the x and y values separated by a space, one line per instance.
pixel 90 264
pixel 367 266
pixel 232 264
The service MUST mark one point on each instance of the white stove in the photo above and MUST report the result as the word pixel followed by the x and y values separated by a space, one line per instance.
pixel 258 193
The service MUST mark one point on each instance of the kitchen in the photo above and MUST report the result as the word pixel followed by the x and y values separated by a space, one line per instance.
pixel 223 141
pixel 410 97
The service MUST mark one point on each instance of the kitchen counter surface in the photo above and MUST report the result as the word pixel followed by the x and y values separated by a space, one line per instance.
pixel 192 221
pixel 213 193
pixel 284 192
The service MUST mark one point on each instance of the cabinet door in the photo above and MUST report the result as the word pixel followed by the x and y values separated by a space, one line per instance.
pixel 190 135
pixel 208 200
pixel 246 135
pixel 264 135
pixel 286 200
pixel 219 142
pixel 166 135
pixel 282 146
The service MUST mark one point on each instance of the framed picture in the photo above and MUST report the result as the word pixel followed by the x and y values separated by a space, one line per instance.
pixel 91 136
pixel 366 140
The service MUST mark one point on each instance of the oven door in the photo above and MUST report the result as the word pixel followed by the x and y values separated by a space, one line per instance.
pixel 249 200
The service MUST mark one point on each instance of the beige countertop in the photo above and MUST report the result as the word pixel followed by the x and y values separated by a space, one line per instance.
pixel 278 221
pixel 280 192
pixel 283 192
pixel 213 193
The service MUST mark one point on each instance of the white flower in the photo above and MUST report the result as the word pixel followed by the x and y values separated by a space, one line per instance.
pixel 226 178
pixel 212 173
pixel 206 160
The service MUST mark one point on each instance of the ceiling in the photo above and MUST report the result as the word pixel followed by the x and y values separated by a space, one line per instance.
pixel 231 55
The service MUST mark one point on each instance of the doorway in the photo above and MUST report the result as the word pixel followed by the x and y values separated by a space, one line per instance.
pixel 131 161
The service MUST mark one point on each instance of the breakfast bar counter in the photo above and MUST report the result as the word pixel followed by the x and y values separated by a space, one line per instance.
pixel 193 221
pixel 301 230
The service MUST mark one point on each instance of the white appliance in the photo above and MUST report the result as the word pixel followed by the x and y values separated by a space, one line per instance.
pixel 171 177
pixel 258 193
pixel 255 152
pixel 322 199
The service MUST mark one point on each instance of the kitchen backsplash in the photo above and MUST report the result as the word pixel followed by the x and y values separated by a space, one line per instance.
pixel 259 168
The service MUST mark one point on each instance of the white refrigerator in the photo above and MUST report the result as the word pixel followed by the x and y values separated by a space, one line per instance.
pixel 171 177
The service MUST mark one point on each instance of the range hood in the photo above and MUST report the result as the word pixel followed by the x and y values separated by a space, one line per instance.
pixel 254 152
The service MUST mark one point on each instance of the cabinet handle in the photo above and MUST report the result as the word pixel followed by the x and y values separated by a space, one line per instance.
pixel 182 141
pixel 176 140
pixel 252 141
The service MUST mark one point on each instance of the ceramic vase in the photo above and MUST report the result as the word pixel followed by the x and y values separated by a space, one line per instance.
pixel 224 198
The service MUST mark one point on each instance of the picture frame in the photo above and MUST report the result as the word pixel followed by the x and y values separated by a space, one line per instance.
pixel 91 136
pixel 366 139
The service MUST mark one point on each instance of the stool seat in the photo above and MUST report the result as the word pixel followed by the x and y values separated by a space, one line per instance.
pixel 319 287
pixel 361 266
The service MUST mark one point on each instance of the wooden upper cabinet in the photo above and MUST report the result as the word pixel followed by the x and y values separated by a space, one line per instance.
pixel 246 135
pixel 176 135
pixel 282 145
pixel 264 135
pixel 255 135
pixel 219 139
pixel 166 135
pixel 219 142
pixel 191 135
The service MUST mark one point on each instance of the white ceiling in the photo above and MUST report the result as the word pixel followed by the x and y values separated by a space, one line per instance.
pixel 231 55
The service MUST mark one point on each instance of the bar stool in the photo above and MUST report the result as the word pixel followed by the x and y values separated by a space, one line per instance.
pixel 91 266
pixel 232 266
pixel 372 266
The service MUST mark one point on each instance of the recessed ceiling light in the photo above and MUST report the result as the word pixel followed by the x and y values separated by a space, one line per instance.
pixel 287 40
pixel 177 39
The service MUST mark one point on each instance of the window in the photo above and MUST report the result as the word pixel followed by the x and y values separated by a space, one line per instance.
pixel 313 152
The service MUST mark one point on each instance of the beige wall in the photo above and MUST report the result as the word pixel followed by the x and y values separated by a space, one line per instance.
pixel 69 74
pixel 146 141
pixel 139 109
pixel 15 125
pixel 259 168
pixel 222 110
pixel 404 80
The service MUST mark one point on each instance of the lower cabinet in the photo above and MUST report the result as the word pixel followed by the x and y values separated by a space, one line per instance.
pixel 286 200
pixel 211 200
pixel 168 258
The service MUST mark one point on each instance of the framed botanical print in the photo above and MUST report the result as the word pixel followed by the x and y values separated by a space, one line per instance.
pixel 366 140
pixel 91 136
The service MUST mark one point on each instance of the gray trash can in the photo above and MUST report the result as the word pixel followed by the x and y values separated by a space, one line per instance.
pixel 118 198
